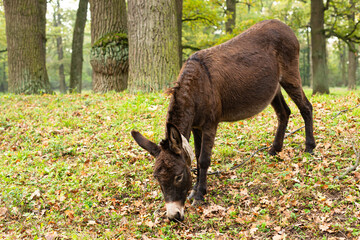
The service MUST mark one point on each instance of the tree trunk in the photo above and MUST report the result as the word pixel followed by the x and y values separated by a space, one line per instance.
pixel 352 69
pixel 109 52
pixel 77 48
pixel 153 44
pixel 318 42
pixel 308 62
pixel 25 32
pixel 342 49
pixel 179 7
pixel 59 48
pixel 231 15
pixel 3 83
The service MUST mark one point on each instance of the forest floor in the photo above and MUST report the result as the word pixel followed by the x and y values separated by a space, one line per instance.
pixel 69 169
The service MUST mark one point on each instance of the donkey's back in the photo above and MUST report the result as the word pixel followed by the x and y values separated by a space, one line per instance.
pixel 244 73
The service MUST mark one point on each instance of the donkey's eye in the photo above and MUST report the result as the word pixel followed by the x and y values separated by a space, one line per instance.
pixel 179 178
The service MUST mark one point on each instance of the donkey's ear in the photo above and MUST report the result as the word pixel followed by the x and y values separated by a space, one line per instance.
pixel 174 137
pixel 146 144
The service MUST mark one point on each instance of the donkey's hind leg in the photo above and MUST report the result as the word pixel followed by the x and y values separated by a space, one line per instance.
pixel 282 112
pixel 292 86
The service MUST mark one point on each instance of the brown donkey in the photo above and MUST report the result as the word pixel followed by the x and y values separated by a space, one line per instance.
pixel 228 82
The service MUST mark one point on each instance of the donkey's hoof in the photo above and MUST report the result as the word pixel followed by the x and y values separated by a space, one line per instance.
pixel 272 151
pixel 310 150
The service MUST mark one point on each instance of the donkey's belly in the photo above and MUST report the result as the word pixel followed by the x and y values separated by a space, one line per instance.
pixel 244 107
pixel 243 113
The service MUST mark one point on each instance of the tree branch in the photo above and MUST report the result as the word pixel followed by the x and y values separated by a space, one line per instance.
pixel 352 168
pixel 347 40
pixel 198 18
pixel 191 47
pixel 5 50
pixel 326 7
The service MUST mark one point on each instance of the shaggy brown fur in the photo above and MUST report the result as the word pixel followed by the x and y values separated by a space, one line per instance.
pixel 230 82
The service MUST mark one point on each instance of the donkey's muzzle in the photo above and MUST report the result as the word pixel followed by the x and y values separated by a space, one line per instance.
pixel 175 211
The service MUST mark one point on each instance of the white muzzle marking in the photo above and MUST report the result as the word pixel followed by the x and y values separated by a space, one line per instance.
pixel 173 209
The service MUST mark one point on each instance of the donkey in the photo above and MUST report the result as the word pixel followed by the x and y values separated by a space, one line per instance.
pixel 229 82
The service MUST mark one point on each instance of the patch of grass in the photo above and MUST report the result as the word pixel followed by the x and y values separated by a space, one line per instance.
pixel 69 167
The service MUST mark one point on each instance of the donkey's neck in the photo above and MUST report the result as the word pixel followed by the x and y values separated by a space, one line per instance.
pixel 181 110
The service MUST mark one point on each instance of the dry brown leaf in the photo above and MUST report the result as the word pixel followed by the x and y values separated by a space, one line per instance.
pixel 279 237
pixel 149 223
pixel 213 209
pixel 70 214
pixel 3 211
pixel 51 236
pixel 324 227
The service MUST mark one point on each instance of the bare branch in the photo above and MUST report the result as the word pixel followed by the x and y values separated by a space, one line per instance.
pixel 352 168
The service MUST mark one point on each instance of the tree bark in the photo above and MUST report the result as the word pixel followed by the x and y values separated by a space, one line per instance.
pixel 352 69
pixel 179 8
pixel 77 48
pixel 231 15
pixel 109 52
pixel 318 42
pixel 153 44
pixel 59 48
pixel 3 82
pixel 25 32
pixel 342 49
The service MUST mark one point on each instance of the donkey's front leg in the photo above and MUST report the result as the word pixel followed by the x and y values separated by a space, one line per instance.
pixel 208 136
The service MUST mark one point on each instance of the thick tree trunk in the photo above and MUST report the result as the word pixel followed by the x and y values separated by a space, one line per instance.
pixel 109 52
pixel 352 69
pixel 153 44
pixel 25 32
pixel 318 42
pixel 231 15
pixel 77 48
pixel 59 47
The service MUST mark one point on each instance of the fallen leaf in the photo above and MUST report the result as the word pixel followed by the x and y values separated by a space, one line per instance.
pixel 213 209
pixel 253 230
pixel 91 222
pixel 324 227
pixel 3 211
pixel 149 223
pixel 35 194
pixel 350 198
pixel 70 214
pixel 279 237
pixel 51 236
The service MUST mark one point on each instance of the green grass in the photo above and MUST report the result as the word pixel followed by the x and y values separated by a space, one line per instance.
pixel 69 167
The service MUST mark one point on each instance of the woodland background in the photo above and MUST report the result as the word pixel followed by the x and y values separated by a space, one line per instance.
pixel 104 39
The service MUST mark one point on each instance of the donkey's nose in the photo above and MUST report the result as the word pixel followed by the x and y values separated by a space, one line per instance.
pixel 175 211
pixel 177 217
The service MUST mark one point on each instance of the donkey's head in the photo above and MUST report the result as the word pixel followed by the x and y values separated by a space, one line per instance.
pixel 172 168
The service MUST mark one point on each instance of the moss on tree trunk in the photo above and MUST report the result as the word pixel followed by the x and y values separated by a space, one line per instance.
pixel 109 52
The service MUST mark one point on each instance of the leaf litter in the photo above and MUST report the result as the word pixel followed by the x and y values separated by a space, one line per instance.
pixel 70 170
